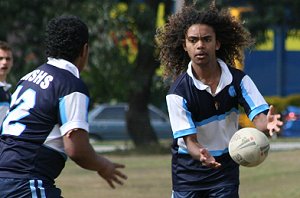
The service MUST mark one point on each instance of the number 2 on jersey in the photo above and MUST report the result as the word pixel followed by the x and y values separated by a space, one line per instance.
pixel 22 104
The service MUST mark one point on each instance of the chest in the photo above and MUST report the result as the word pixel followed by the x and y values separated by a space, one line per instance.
pixel 204 105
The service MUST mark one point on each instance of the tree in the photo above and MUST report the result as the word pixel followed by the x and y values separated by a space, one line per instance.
pixel 125 45
pixel 122 64
pixel 267 14
pixel 23 24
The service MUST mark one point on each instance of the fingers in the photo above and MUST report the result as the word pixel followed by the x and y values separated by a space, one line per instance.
pixel 115 176
pixel 115 179
pixel 272 111
pixel 207 160
pixel 211 164
pixel 271 132
pixel 119 165
pixel 110 183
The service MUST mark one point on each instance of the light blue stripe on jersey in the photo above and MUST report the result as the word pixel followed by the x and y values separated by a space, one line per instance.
pixel 4 104
pixel 216 117
pixel 184 132
pixel 188 113
pixel 62 108
pixel 72 106
pixel 192 129
pixel 247 97
pixel 258 110
pixel 218 152
pixel 182 151
pixel 213 152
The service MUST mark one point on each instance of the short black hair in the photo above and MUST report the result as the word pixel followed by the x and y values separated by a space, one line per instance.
pixel 65 37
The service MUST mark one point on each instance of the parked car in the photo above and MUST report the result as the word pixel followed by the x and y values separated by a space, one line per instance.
pixel 108 122
pixel 291 118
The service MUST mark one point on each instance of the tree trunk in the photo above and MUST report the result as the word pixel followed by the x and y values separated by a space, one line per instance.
pixel 138 121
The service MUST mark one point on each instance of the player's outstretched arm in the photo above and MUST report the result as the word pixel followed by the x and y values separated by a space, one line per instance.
pixel 269 123
pixel 79 149
pixel 200 153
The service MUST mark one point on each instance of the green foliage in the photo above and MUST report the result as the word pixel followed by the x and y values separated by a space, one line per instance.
pixel 112 65
pixel 280 103
pixel 268 14
pixel 23 24
pixel 115 38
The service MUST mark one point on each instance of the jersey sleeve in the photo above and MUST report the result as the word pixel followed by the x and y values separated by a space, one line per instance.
pixel 251 99
pixel 180 117
pixel 73 110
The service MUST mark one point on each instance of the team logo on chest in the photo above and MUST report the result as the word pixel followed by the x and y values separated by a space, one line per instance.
pixel 231 91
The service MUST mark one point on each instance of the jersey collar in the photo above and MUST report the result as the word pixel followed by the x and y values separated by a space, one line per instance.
pixel 226 77
pixel 63 64
pixel 6 86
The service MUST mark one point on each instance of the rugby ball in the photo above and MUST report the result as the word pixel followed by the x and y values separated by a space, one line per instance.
pixel 249 147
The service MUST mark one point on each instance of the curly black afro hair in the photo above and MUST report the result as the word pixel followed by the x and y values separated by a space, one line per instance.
pixel 230 32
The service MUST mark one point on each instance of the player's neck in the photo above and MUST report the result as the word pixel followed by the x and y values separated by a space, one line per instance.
pixel 207 73
pixel 2 78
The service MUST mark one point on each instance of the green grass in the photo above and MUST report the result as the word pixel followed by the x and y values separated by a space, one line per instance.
pixel 149 177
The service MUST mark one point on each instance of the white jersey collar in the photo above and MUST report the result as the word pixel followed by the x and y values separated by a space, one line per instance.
pixel 64 64
pixel 6 86
pixel 226 77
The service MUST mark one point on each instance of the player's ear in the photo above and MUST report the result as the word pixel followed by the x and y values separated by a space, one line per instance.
pixel 85 50
pixel 82 59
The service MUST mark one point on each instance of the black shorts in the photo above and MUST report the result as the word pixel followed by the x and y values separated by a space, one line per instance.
pixel 24 188
pixel 224 192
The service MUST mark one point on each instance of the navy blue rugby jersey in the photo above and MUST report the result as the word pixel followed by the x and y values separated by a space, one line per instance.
pixel 47 103
pixel 5 98
pixel 194 109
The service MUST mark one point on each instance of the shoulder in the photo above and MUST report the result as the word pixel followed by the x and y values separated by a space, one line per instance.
pixel 236 73
pixel 181 84
pixel 50 77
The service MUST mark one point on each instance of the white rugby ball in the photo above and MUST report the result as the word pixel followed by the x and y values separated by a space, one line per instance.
pixel 249 147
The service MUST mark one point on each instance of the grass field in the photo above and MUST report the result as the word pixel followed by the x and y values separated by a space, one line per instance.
pixel 149 177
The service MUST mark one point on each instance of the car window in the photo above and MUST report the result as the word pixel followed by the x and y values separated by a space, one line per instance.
pixel 155 117
pixel 112 113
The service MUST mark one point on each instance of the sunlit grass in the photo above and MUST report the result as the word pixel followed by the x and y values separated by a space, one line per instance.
pixel 150 177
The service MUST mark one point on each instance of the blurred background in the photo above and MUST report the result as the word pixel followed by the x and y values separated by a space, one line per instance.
pixel 123 65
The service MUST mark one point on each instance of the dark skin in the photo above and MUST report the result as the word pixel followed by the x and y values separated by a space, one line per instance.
pixel 79 149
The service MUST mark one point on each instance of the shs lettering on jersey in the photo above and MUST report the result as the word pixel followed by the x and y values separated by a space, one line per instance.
pixel 39 77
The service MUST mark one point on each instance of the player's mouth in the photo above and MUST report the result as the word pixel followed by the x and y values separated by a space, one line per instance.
pixel 3 68
pixel 200 55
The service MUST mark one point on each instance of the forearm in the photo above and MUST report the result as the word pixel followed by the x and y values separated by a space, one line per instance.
pixel 193 146
pixel 79 149
pixel 198 152
pixel 90 160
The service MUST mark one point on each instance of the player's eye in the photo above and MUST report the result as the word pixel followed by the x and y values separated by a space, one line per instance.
pixel 207 39
pixel 5 58
pixel 192 40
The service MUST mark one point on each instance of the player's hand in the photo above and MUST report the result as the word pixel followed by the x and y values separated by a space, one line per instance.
pixel 112 174
pixel 274 123
pixel 208 160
